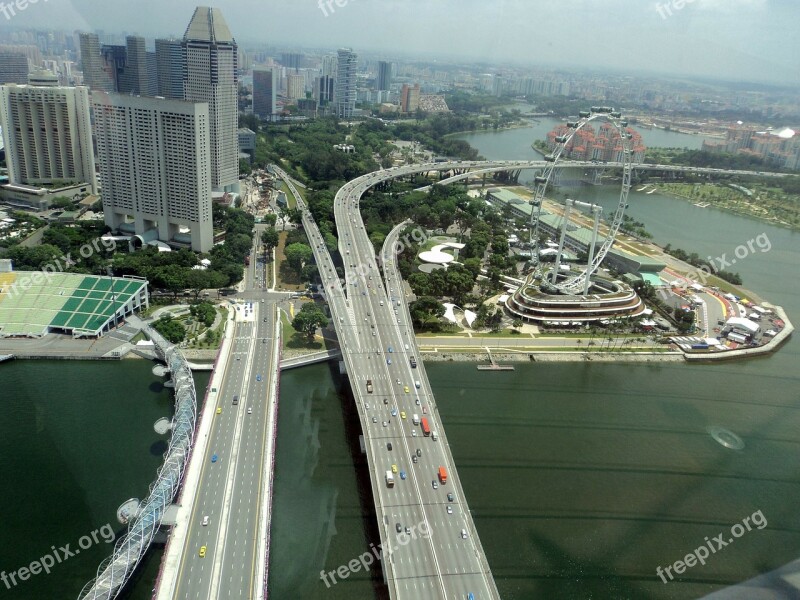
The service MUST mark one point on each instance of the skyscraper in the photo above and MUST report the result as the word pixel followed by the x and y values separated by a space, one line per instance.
pixel 210 76
pixel 265 87
pixel 47 133
pixel 13 67
pixel 409 98
pixel 384 79
pixel 169 68
pixel 114 59
pixel 153 155
pixel 94 76
pixel 345 95
pixel 134 76
pixel 295 86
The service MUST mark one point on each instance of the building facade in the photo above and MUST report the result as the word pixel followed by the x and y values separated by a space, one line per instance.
pixel 295 86
pixel 154 160
pixel 265 89
pixel 48 135
pixel 95 75
pixel 345 94
pixel 13 67
pixel 384 78
pixel 169 68
pixel 210 75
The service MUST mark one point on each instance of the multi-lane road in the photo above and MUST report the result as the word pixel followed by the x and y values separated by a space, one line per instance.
pixel 426 524
pixel 224 550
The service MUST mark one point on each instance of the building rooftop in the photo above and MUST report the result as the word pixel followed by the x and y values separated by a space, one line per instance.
pixel 208 25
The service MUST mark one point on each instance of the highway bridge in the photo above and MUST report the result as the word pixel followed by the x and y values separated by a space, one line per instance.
pixel 435 551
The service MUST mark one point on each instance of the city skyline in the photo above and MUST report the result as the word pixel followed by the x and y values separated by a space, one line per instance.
pixel 699 38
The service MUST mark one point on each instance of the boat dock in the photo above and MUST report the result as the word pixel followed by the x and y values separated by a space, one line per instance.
pixel 494 366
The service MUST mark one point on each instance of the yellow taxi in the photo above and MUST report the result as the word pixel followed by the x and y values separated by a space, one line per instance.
pixel 394 468
pixel 202 551
pixel 219 410
pixel 402 414
pixel 405 389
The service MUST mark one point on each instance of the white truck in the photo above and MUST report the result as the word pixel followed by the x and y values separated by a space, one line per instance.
pixel 389 479
pixel 415 419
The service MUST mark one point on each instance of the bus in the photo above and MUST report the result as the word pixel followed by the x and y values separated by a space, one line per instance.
pixel 426 430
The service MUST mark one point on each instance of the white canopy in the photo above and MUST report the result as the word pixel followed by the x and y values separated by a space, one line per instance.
pixel 746 324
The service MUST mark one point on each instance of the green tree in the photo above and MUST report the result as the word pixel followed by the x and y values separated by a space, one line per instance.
pixel 297 255
pixel 172 330
pixel 271 219
pixel 309 319
pixel 270 238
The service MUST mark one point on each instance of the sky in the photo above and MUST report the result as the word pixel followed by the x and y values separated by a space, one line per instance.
pixel 739 40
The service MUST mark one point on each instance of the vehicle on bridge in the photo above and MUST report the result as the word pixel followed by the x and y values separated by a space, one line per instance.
pixel 426 429
pixel 369 386
pixel 443 475
pixel 389 479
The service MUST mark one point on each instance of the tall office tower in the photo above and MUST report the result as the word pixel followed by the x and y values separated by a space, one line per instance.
pixel 295 86
pixel 329 65
pixel 152 74
pixel 384 79
pixel 323 90
pixel 210 76
pixel 345 94
pixel 265 88
pixel 134 77
pixel 94 76
pixel 409 98
pixel 169 65
pixel 155 166
pixel 13 67
pixel 292 60
pixel 114 61
pixel 48 134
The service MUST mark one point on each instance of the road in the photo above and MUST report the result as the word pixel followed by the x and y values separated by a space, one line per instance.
pixel 230 499
pixel 434 560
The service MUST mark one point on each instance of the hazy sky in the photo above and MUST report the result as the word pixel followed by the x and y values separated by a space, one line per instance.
pixel 753 40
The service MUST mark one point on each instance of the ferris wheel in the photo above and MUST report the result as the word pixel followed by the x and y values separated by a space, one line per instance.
pixel 579 282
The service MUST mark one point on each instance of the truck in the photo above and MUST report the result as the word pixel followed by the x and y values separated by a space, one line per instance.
pixel 247 260
pixel 413 362
pixel 442 475
pixel 389 479
pixel 426 430
pixel 434 436
pixel 369 386
pixel 415 419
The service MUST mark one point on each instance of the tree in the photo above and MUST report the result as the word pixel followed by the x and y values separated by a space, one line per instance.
pixel 270 238
pixel 197 280
pixel 426 312
pixel 297 255
pixel 172 330
pixel 517 324
pixel 308 319
pixel 271 219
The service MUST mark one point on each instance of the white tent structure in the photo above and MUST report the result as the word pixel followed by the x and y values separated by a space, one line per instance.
pixel 741 324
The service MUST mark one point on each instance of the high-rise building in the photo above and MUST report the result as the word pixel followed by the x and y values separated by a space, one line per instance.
pixel 323 90
pixel 345 95
pixel 210 76
pixel 134 75
pixel 155 166
pixel 384 79
pixel 409 98
pixel 43 78
pixel 114 60
pixel 152 74
pixel 13 67
pixel 47 133
pixel 169 67
pixel 265 89
pixel 292 60
pixel 295 86
pixel 329 66
pixel 94 75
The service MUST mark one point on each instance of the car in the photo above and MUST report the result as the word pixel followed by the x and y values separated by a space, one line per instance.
pixel 386 401
pixel 374 419
pixel 402 474
pixel 463 534
pixel 405 389
pixel 419 452
pixel 449 496
pixel 389 349
pixel 397 381
pixel 385 424
pixel 250 410
pixel 408 530
pixel 417 401
pixel 414 459
pixel 238 358
pixel 219 410
pixel 213 458
pixel 258 377
pixel 425 410
pixel 388 361
pixel 470 596
pixel 205 520
pixel 402 414
pixel 413 433
pixel 389 446
pixel 449 510
pixel 265 318
pixel 202 552
pixel 394 412
pixel 435 484
pixel 394 468
pixel 398 527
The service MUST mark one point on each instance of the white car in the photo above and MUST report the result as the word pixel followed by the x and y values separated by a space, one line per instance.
pixel 205 520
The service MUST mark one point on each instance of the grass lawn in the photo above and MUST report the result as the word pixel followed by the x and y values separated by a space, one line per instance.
pixel 287 279
pixel 289 196
pixel 298 341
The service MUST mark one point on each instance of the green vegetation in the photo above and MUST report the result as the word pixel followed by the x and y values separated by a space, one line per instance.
pixel 426 313
pixel 172 329
pixel 695 260
pixel 309 319
pixel 634 227
pixel 270 238
pixel 203 312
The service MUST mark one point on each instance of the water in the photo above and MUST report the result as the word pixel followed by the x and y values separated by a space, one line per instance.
pixel 515 144
pixel 77 440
